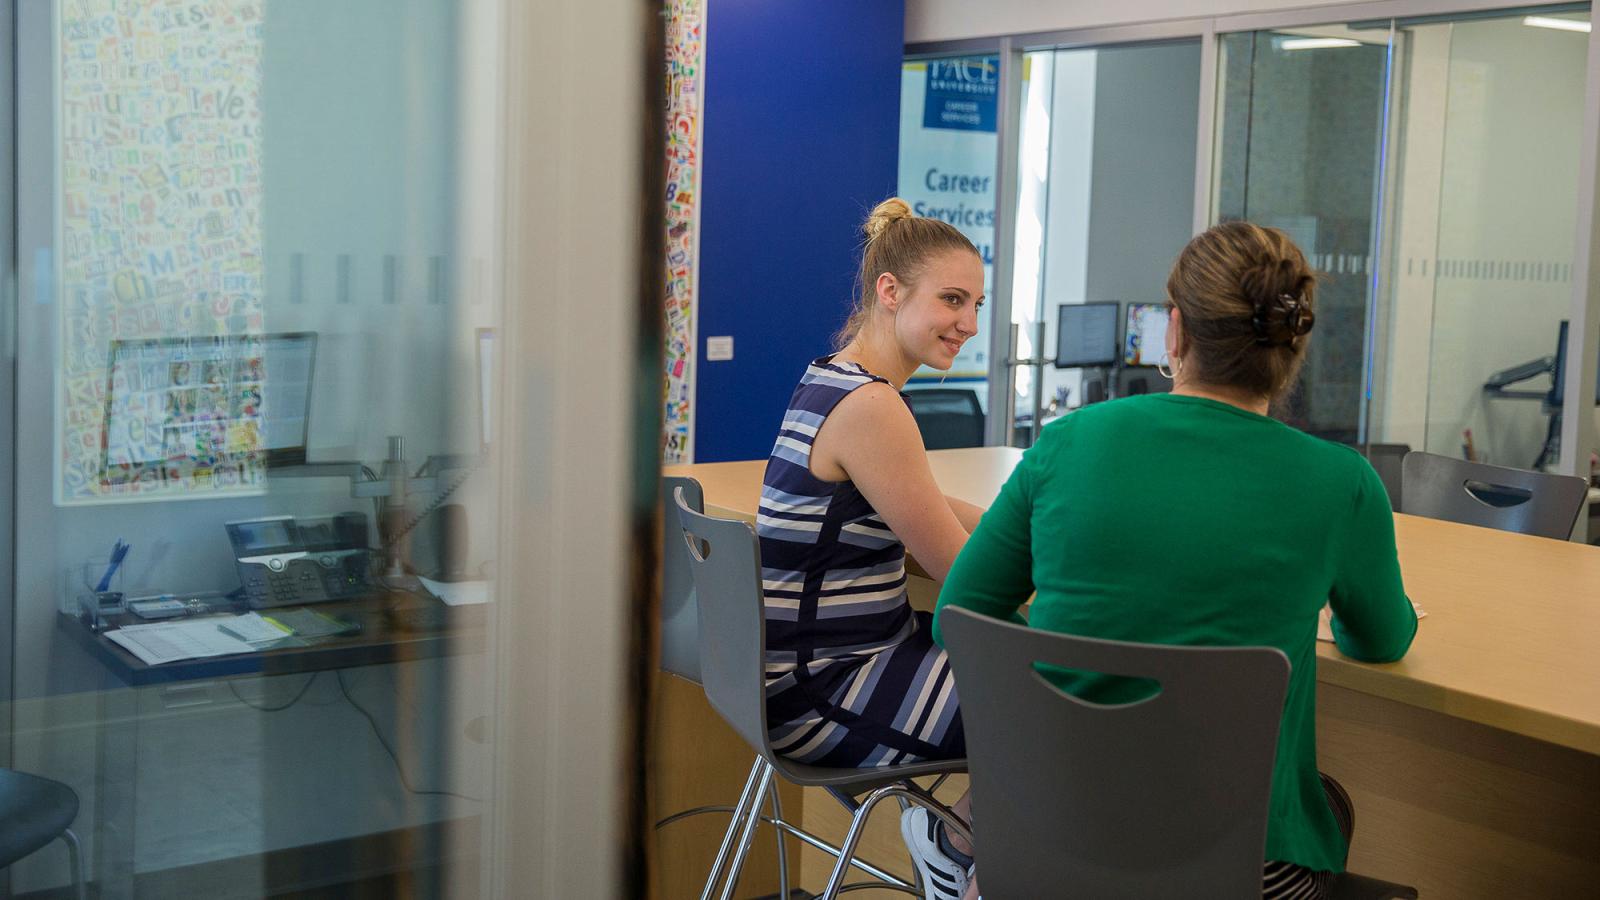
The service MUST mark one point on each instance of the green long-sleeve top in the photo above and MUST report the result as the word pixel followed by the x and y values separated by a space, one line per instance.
pixel 1181 520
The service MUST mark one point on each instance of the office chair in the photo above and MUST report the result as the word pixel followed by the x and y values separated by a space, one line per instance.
pixel 947 417
pixel 1536 503
pixel 1166 797
pixel 33 812
pixel 725 558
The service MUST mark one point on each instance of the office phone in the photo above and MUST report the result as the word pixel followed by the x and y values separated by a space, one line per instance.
pixel 288 561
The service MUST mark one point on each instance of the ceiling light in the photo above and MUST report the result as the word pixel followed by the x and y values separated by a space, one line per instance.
pixel 1559 24
pixel 1316 43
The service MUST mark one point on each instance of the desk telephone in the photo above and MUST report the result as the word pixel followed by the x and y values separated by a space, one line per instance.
pixel 287 561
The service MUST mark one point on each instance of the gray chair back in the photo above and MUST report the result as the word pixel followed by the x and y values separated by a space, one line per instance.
pixel 725 560
pixel 1537 503
pixel 680 619
pixel 1386 460
pixel 1165 797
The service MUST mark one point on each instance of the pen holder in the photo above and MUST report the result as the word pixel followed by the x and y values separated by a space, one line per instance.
pixel 81 589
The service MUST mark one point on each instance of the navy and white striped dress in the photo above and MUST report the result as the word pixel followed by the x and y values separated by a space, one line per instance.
pixel 853 675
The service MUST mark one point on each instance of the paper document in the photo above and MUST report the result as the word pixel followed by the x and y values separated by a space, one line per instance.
pixel 165 642
pixel 1325 621
pixel 458 593
pixel 254 628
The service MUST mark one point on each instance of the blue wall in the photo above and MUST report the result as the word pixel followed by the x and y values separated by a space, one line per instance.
pixel 802 106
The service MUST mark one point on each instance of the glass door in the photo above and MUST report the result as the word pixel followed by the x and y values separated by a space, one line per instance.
pixel 1299 146
pixel 1106 200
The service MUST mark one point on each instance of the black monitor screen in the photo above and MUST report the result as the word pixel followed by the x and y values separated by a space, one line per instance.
pixel 1086 335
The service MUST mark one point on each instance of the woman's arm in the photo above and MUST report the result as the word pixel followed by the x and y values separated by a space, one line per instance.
pixel 871 439
pixel 1372 619
pixel 966 513
pixel 994 573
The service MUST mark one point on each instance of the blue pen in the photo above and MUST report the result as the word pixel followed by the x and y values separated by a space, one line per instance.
pixel 118 551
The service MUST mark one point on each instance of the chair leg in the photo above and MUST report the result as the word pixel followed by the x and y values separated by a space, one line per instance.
pixel 783 850
pixel 858 826
pixel 916 873
pixel 739 811
pixel 748 832
pixel 75 860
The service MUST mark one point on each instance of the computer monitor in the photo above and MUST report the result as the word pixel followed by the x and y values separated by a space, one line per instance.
pixel 1144 342
pixel 1086 335
pixel 180 405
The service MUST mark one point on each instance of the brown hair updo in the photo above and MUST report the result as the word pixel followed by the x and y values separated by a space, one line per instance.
pixel 899 242
pixel 1248 300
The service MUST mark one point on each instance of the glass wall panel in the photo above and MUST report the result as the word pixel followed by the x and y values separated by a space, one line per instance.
pixel 1299 138
pixel 1107 197
pixel 949 109
pixel 1488 134
pixel 253 441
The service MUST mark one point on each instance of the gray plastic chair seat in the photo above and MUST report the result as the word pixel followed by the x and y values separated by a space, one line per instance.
pixel 1536 503
pixel 33 812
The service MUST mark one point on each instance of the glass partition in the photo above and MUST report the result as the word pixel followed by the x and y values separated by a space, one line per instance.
pixel 1300 118
pixel 252 447
pixel 1488 137
pixel 949 110
pixel 1106 201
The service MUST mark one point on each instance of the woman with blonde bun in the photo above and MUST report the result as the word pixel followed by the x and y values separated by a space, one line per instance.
pixel 853 676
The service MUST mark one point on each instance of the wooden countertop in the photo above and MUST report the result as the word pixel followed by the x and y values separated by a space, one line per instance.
pixel 1512 636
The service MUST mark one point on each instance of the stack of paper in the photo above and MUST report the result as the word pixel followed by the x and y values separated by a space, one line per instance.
pixel 164 642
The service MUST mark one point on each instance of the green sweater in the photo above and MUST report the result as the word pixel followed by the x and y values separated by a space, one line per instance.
pixel 1181 520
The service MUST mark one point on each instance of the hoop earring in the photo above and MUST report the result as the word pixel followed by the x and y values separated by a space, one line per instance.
pixel 1165 372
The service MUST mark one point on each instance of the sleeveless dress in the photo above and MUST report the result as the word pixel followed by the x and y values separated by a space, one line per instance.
pixel 853 676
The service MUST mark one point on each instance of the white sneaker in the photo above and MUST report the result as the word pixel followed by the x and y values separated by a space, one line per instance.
pixel 942 877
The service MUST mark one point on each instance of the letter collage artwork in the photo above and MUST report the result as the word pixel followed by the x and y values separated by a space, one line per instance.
pixel 161 238
pixel 685 66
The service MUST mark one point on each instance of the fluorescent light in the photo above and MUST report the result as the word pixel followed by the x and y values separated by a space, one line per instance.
pixel 1316 43
pixel 1559 24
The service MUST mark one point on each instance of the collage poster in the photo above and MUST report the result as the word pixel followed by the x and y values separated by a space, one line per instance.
pixel 685 82
pixel 160 216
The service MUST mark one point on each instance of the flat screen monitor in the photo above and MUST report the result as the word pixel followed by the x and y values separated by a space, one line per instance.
pixel 1144 342
pixel 206 403
pixel 1086 335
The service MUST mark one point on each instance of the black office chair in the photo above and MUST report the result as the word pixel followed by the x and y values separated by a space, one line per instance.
pixel 33 812
pixel 947 417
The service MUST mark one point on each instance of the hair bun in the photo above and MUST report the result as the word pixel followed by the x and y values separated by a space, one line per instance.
pixel 885 214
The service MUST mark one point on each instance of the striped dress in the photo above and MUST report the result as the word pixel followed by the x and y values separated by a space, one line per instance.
pixel 853 675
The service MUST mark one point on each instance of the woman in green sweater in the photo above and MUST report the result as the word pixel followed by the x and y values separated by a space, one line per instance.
pixel 1261 524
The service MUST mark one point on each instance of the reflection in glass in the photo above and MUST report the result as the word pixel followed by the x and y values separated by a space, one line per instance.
pixel 1299 139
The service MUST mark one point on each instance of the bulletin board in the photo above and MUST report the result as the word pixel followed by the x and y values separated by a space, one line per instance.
pixel 159 212
pixel 685 84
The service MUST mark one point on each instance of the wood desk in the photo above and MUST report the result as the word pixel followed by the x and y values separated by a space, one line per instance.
pixel 1474 761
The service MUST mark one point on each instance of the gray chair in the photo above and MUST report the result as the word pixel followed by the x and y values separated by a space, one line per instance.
pixel 1165 797
pixel 33 812
pixel 680 621
pixel 947 417
pixel 725 559
pixel 1537 503
pixel 1386 460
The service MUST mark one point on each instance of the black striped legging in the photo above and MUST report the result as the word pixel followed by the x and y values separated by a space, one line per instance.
pixel 1288 881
